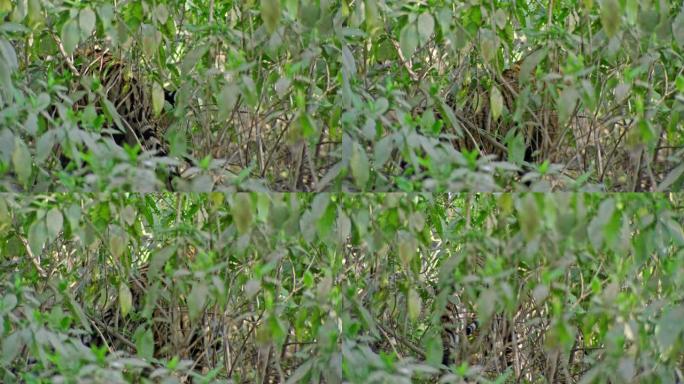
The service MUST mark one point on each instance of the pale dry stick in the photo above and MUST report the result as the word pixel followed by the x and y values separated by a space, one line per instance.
pixel 104 340
pixel 404 62
pixel 67 57
pixel 599 156
pixel 34 260
pixel 407 343
pixel 114 332
pixel 227 359
pixel 243 345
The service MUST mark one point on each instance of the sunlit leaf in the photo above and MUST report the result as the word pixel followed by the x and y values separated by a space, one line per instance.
pixel 243 212
pixel 611 16
pixel 125 299
pixel 496 102
pixel 157 98
pixel 360 166
pixel 415 304
pixel 270 14
pixel 151 38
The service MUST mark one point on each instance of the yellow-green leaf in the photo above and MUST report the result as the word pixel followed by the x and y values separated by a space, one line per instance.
pixel 242 212
pixel 270 14
pixel 157 98
pixel 359 166
pixel 407 249
pixel 415 304
pixel 125 299
pixel 489 44
pixel 35 12
pixel 495 102
pixel 151 38
pixel 117 244
pixel 162 13
pixel 611 16
pixel 500 18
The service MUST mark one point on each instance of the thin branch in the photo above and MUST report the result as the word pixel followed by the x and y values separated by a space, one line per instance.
pixel 35 260
pixel 67 57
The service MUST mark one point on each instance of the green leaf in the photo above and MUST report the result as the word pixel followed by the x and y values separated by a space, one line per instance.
pixel 37 236
pixel 383 150
pixel 407 248
pixel 529 217
pixel 632 10
pixel 197 299
pixel 486 304
pixel 679 83
pixel 270 14
pixel 35 14
pixel 566 104
pixel 530 63
pixel 227 99
pixel 360 168
pixel 86 20
pixel 157 98
pixel 426 26
pixel 162 13
pixel 495 102
pixel 70 36
pixel 516 149
pixel 144 342
pixel 408 40
pixel 117 243
pixel 54 221
pixel 348 60
pixel 597 225
pixel 415 304
pixel 252 287
pixel 11 346
pixel 678 29
pixel 243 212
pixel 125 299
pixel 489 44
pixel 344 226
pixel 159 259
pixel 611 16
pixel 22 162
pixel 151 38
pixel 500 18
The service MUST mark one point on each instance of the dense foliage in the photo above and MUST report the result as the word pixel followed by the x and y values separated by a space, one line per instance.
pixel 341 95
pixel 340 288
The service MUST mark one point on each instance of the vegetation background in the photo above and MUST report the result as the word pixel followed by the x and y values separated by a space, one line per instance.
pixel 332 288
pixel 419 106
pixel 341 95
